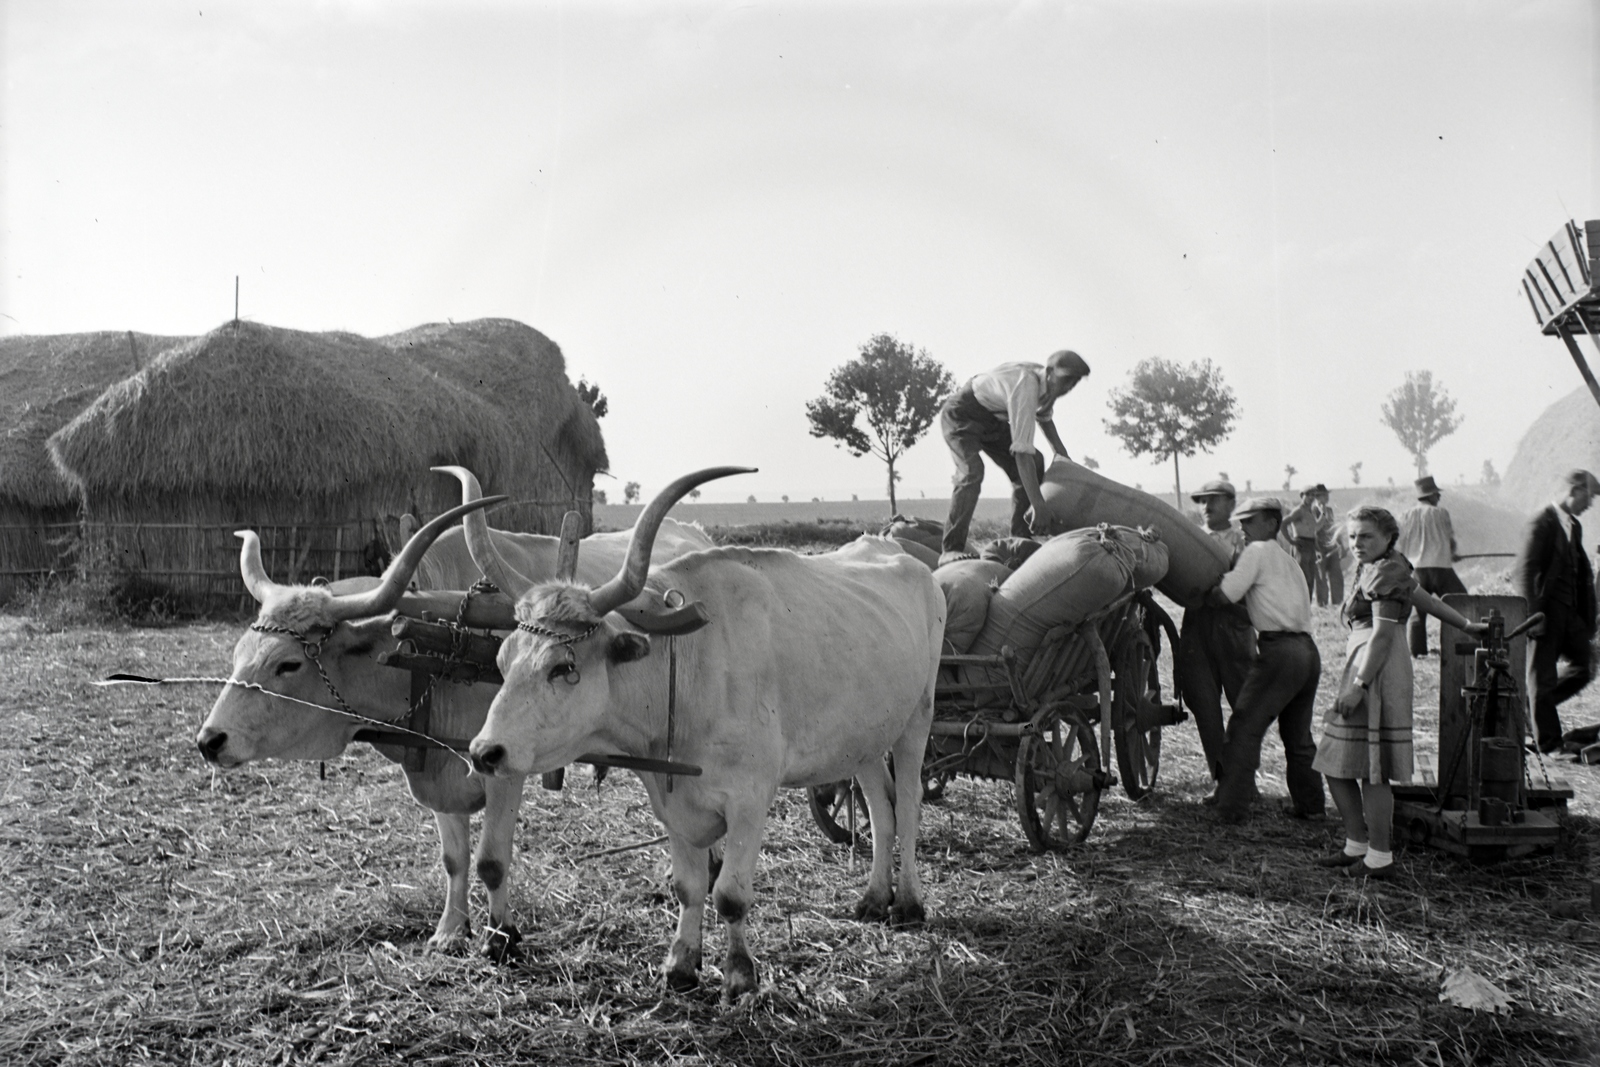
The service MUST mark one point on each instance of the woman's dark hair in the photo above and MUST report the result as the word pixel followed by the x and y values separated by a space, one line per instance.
pixel 1379 517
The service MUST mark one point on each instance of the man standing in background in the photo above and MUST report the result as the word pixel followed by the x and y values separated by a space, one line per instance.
pixel 1330 550
pixel 1553 575
pixel 1429 541
pixel 994 414
pixel 1298 533
pixel 1216 644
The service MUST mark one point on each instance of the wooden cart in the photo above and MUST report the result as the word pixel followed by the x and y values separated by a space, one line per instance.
pixel 1050 727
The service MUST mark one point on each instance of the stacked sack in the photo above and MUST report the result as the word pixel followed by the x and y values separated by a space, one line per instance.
pixel 921 538
pixel 1068 579
pixel 967 585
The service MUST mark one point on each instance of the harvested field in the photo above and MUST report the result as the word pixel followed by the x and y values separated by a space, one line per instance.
pixel 155 911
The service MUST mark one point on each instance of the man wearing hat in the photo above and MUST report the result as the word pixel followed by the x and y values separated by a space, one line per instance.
pixel 1553 574
pixel 1216 643
pixel 994 414
pixel 1281 683
pixel 1330 550
pixel 1428 541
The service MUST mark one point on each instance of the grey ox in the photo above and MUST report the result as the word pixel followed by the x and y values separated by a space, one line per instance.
pixel 348 626
pixel 809 670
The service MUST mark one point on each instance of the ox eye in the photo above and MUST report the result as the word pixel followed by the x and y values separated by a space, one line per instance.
pixel 567 672
pixel 288 668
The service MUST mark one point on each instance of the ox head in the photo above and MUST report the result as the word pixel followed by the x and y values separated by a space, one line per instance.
pixel 558 663
pixel 302 633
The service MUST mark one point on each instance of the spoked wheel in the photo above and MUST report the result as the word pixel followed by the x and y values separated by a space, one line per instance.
pixel 1058 781
pixel 831 811
pixel 1134 701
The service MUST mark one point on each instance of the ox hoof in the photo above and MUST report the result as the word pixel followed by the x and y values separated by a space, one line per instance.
pixel 449 943
pixel 911 914
pixel 683 980
pixel 501 944
pixel 874 907
pixel 738 978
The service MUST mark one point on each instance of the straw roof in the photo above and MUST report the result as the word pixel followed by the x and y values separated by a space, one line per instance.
pixel 46 380
pixel 1567 435
pixel 254 411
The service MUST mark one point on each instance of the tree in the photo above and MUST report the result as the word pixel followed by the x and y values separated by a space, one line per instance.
pixel 1421 414
pixel 1355 473
pixel 895 389
pixel 1289 471
pixel 1091 463
pixel 694 494
pixel 785 498
pixel 1491 477
pixel 591 395
pixel 630 493
pixel 1172 409
pixel 598 496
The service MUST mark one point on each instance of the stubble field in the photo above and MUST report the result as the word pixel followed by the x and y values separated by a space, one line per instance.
pixel 156 911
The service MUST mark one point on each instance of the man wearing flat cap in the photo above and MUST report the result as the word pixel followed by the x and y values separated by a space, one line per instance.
pixel 1553 574
pixel 1217 643
pixel 1300 529
pixel 995 414
pixel 1281 683
pixel 1429 541
pixel 1330 549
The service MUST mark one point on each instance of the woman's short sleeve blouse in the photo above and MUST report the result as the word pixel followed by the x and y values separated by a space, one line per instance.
pixel 1384 588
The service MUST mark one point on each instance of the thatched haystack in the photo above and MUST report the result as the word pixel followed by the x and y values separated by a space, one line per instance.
pixel 46 380
pixel 318 439
pixel 1567 435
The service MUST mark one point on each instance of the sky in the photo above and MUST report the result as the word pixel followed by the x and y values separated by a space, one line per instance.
pixel 709 206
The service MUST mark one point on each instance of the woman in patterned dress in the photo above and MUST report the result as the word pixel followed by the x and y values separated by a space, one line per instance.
pixel 1366 739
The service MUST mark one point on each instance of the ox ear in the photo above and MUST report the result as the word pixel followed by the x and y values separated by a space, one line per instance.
pixel 627 647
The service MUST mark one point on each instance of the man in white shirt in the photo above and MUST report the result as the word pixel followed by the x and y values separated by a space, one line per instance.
pixel 1428 541
pixel 1216 644
pixel 1282 681
pixel 995 414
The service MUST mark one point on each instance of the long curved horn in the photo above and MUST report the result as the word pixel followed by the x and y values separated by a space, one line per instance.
pixel 630 579
pixel 255 575
pixel 393 583
pixel 480 543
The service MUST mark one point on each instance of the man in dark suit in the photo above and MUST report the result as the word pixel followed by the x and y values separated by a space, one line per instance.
pixel 1553 574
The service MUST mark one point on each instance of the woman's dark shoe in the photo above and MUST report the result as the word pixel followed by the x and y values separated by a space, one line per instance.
pixel 1339 859
pixel 1371 874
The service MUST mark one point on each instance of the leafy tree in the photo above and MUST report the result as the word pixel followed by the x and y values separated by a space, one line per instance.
pixel 1355 473
pixel 786 498
pixel 895 389
pixel 630 493
pixel 1490 475
pixel 598 496
pixel 591 395
pixel 1090 462
pixel 751 499
pixel 1421 414
pixel 1172 409
pixel 694 494
pixel 1289 471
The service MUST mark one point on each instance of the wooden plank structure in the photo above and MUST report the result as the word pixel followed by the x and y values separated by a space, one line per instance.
pixel 1562 285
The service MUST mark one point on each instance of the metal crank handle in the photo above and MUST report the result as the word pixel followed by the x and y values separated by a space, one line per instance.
pixel 1527 624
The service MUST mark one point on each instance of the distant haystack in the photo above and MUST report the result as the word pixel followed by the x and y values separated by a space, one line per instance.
pixel 1567 435
pixel 325 437
pixel 45 382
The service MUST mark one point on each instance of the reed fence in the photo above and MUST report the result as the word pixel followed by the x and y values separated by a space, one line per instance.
pixel 195 566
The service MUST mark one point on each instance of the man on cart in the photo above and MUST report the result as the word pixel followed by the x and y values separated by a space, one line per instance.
pixel 995 414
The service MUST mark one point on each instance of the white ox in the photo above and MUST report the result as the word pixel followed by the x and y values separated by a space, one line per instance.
pixel 810 669
pixel 352 630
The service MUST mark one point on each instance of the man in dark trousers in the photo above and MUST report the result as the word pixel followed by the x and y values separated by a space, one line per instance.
pixel 1217 643
pixel 1282 682
pixel 1553 574
pixel 994 414
pixel 1428 541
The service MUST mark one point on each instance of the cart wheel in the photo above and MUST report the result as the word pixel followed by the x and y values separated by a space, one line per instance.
pixel 830 809
pixel 1138 750
pixel 1058 782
